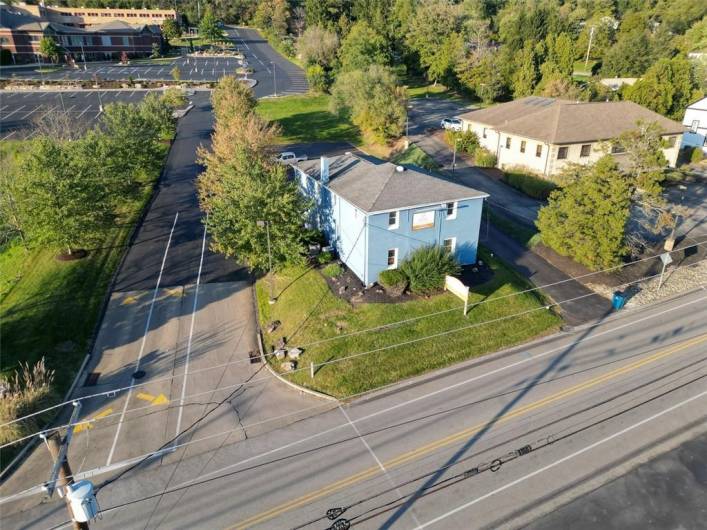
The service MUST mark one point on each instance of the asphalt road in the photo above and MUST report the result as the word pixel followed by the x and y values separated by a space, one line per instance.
pixel 581 407
pixel 275 74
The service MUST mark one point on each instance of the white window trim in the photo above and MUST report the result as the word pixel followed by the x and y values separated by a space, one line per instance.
pixel 454 243
pixel 453 215
pixel 395 263
pixel 395 225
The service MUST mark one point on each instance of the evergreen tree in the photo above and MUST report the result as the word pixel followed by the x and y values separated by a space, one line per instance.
pixel 526 74
pixel 586 219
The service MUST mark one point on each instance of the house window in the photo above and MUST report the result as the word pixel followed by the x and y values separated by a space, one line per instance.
pixel 393 220
pixel 422 220
pixel 450 244
pixel 562 153
pixel 451 210
pixel 693 126
pixel 539 150
pixel 586 149
pixel 392 258
pixel 671 141
pixel 522 146
pixel 617 148
pixel 508 142
pixel 483 133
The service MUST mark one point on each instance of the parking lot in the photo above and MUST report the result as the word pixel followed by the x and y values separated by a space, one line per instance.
pixel 190 69
pixel 19 111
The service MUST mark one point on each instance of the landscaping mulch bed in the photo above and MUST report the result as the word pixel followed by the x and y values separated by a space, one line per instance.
pixel 348 287
pixel 685 253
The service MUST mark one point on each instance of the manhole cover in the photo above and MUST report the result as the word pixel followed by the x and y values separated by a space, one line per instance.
pixel 139 374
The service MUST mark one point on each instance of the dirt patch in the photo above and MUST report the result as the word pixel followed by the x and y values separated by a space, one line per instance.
pixel 75 255
pixel 348 287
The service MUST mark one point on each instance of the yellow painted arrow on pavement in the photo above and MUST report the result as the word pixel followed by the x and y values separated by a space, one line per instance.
pixel 86 425
pixel 128 300
pixel 155 400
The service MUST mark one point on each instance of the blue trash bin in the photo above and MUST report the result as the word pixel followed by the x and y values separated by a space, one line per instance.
pixel 618 300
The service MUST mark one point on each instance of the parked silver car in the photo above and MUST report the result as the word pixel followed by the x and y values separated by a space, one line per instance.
pixel 452 124
pixel 288 157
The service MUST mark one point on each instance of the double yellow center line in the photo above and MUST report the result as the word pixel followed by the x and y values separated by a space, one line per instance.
pixel 461 435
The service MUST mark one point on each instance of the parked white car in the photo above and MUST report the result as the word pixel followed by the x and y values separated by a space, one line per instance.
pixel 288 157
pixel 453 124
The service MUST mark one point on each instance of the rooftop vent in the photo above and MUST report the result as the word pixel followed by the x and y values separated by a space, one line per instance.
pixel 399 169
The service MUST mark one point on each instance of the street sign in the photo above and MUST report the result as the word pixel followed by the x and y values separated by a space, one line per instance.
pixel 457 288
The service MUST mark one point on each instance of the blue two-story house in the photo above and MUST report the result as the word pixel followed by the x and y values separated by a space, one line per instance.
pixel 376 213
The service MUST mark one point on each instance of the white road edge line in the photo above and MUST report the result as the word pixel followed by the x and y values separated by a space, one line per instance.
pixel 144 340
pixel 191 334
pixel 562 460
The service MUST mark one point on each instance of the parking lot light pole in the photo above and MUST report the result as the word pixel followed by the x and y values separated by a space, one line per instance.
pixel 266 225
pixel 454 155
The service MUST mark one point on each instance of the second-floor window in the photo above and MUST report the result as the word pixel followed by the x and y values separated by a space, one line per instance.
pixel 451 210
pixel 508 142
pixel 522 146
pixel 539 150
pixel 393 220
pixel 562 153
pixel 693 126
pixel 586 149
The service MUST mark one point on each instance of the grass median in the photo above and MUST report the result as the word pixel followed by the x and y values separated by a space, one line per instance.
pixel 310 312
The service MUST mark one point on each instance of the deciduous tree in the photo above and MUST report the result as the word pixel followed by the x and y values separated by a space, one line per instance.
pixel 363 47
pixel 318 45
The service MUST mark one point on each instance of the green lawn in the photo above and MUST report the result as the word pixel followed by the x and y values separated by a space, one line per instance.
pixel 525 235
pixel 415 156
pixel 307 119
pixel 49 308
pixel 309 312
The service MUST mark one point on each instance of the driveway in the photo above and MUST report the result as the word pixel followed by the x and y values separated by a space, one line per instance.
pixel 425 116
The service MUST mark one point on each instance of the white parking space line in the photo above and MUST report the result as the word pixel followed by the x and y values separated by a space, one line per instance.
pixel 72 107
pixel 3 107
pixel 84 111
pixel 150 68
pixel 44 95
pixel 16 110
pixel 35 109
pixel 6 137
pixel 28 95
pixel 88 94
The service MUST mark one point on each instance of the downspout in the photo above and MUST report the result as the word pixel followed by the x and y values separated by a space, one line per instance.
pixel 365 252
pixel 498 148
pixel 547 158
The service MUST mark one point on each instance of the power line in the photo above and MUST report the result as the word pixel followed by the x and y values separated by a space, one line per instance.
pixel 393 407
pixel 494 465
pixel 333 361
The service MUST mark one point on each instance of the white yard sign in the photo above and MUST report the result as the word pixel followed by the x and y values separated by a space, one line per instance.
pixel 457 288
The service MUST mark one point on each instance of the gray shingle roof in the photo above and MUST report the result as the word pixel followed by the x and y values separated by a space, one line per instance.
pixel 14 17
pixel 558 121
pixel 376 186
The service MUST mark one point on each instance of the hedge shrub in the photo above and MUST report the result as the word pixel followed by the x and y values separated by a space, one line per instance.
pixel 333 270
pixel 530 184
pixel 484 158
pixel 393 281
pixel 697 155
pixel 325 257
pixel 426 268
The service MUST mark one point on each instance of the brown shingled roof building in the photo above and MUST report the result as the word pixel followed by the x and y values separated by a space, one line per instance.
pixel 543 134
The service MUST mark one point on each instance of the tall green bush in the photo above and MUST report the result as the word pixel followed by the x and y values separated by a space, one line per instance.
pixel 484 158
pixel 394 281
pixel 426 268
pixel 467 141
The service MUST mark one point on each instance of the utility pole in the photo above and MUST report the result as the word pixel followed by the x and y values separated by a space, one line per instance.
pixel 454 155
pixel 61 475
pixel 266 224
pixel 589 46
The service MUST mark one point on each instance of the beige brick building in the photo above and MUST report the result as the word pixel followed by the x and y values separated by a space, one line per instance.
pixel 82 17
pixel 544 134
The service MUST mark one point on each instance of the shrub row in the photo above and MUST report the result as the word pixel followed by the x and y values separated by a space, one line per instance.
pixel 530 184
